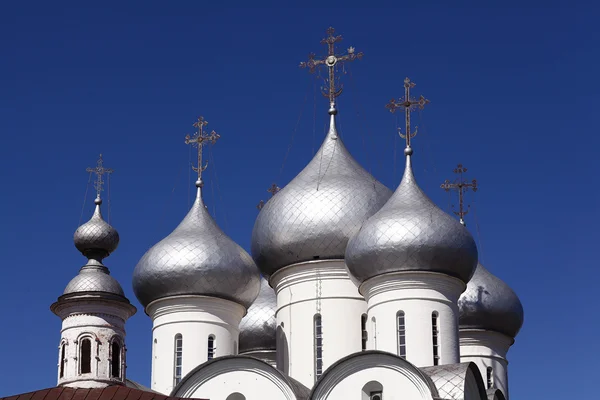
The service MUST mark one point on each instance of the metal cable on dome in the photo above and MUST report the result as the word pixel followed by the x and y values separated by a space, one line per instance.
pixel 108 195
pixel 168 202
pixel 287 153
pixel 216 179
pixel 84 198
pixel 480 245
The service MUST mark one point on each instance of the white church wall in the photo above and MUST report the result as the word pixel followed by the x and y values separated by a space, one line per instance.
pixel 360 377
pixel 195 318
pixel 304 290
pixel 234 378
pixel 487 349
pixel 102 323
pixel 418 295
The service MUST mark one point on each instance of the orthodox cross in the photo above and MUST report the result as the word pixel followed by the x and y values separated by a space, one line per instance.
pixel 331 61
pixel 199 140
pixel 274 189
pixel 461 186
pixel 409 104
pixel 99 171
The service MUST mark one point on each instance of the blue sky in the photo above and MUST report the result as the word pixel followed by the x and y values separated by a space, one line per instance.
pixel 513 92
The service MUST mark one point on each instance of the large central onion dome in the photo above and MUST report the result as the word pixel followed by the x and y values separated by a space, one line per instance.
pixel 314 215
pixel 489 303
pixel 258 327
pixel 197 258
pixel 410 233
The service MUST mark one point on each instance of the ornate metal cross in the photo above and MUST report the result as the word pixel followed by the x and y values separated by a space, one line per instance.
pixel 99 171
pixel 331 61
pixel 199 140
pixel 409 104
pixel 461 186
pixel 274 189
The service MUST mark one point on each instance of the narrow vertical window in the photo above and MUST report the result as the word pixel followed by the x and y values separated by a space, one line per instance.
pixel 434 337
pixel 401 328
pixel 490 377
pixel 115 363
pixel 178 359
pixel 363 329
pixel 62 359
pixel 85 356
pixel 318 332
pixel 211 347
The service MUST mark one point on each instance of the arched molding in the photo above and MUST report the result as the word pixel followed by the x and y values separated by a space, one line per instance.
pixel 372 359
pixel 221 365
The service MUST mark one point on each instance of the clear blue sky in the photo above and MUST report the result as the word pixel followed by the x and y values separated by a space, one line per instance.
pixel 513 92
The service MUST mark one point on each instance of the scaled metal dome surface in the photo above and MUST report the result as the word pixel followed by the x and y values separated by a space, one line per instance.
pixel 489 303
pixel 410 233
pixel 94 280
pixel 96 235
pixel 314 215
pixel 258 327
pixel 197 258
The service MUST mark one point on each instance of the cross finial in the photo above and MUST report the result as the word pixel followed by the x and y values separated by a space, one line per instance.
pixel 331 61
pixel 199 140
pixel 273 189
pixel 461 186
pixel 409 103
pixel 99 170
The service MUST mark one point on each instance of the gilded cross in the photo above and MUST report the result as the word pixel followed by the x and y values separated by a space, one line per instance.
pixel 331 61
pixel 461 186
pixel 99 171
pixel 199 140
pixel 273 189
pixel 409 103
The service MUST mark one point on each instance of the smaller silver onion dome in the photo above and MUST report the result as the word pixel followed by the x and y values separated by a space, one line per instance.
pixel 197 258
pixel 94 279
pixel 489 303
pixel 96 235
pixel 315 214
pixel 410 233
pixel 258 327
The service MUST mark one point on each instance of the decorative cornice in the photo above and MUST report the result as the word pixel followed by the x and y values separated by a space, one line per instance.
pixel 192 303
pixel 308 271
pixel 448 286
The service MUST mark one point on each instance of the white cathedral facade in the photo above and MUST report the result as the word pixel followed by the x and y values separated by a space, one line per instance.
pixel 352 292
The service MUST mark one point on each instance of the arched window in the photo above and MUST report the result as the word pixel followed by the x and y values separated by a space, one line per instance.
pixel 236 396
pixel 63 351
pixel 401 329
pixel 490 377
pixel 318 333
pixel 115 362
pixel 178 359
pixel 85 356
pixel 372 391
pixel 434 337
pixel 363 330
pixel 211 347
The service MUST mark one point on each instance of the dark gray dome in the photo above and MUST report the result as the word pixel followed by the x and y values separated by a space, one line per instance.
pixel 410 233
pixel 489 303
pixel 197 258
pixel 94 280
pixel 314 215
pixel 258 327
pixel 96 235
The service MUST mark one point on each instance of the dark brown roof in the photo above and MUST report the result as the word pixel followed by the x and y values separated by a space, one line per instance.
pixel 107 393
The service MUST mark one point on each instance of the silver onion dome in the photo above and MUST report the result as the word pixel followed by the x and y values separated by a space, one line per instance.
pixel 197 258
pixel 410 233
pixel 258 327
pixel 489 303
pixel 94 279
pixel 95 239
pixel 314 215
pixel 96 235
